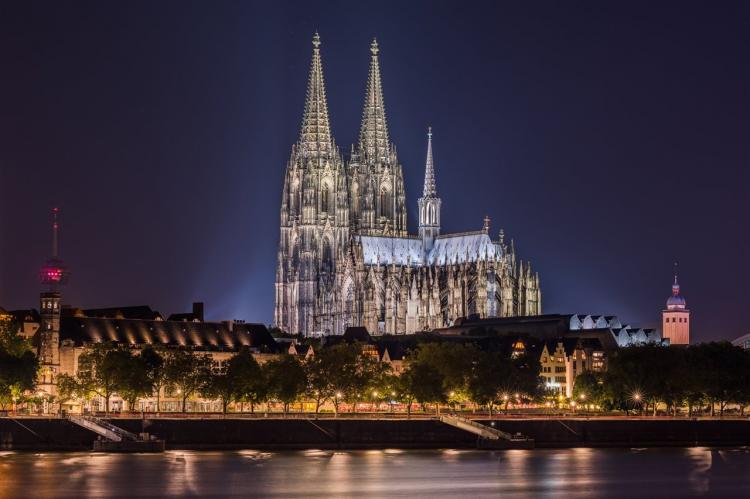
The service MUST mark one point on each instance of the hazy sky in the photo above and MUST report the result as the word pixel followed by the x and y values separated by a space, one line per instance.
pixel 608 138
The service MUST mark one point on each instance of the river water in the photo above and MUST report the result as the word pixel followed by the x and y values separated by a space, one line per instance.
pixel 589 473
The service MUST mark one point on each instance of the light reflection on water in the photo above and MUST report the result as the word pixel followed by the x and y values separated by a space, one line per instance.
pixel 582 473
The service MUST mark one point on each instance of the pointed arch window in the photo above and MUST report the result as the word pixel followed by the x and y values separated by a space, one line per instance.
pixel 325 197
pixel 386 208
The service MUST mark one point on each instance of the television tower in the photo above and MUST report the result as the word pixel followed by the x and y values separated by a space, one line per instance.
pixel 52 275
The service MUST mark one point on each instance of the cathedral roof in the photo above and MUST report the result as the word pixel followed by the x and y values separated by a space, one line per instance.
pixel 449 248
pixel 391 250
pixel 460 248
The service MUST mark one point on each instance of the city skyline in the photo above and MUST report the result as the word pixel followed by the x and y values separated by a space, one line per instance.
pixel 604 241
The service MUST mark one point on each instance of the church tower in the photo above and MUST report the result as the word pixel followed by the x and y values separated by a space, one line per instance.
pixel 429 203
pixel 376 180
pixel 52 275
pixel 676 318
pixel 314 217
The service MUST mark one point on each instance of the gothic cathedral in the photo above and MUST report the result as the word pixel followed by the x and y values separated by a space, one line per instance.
pixel 345 257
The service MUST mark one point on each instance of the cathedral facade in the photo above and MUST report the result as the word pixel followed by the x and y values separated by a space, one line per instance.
pixel 345 256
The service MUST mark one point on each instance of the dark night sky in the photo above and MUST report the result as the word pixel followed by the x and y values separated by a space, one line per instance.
pixel 608 138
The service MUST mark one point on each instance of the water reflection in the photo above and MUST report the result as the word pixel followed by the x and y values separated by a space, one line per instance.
pixel 580 473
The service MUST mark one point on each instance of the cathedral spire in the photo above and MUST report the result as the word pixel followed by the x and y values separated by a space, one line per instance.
pixel 429 203
pixel 315 136
pixel 430 190
pixel 373 136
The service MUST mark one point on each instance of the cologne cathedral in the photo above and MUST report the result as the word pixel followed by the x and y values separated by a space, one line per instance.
pixel 345 256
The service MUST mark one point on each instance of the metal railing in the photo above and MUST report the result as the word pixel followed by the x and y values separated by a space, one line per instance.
pixel 477 428
pixel 103 428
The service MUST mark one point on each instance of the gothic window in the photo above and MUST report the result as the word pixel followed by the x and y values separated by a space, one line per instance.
pixel 355 199
pixel 324 199
pixel 385 203
pixel 326 264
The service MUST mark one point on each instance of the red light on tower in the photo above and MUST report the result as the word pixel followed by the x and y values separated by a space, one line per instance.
pixel 54 271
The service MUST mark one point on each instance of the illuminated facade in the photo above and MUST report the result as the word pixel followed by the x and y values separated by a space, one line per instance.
pixel 563 359
pixel 676 318
pixel 345 257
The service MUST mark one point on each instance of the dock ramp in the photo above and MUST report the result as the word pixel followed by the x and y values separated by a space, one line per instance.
pixel 102 428
pixel 487 434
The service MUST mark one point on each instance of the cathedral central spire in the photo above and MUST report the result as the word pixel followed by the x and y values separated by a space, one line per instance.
pixel 429 203
pixel 373 137
pixel 315 136
pixel 429 191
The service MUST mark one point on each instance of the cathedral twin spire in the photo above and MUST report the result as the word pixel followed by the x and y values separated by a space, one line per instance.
pixel 373 137
pixel 315 136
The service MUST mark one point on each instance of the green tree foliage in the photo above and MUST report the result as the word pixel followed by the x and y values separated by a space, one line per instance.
pixel 346 373
pixel 490 377
pixel 185 373
pixel 153 357
pixel 589 388
pixel 18 364
pixel 454 361
pixel 249 379
pixel 135 378
pixel 239 379
pixel 99 371
pixel 287 380
pixel 717 373
pixel 424 383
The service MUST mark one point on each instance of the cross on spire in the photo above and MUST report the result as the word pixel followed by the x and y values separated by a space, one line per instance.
pixel 373 136
pixel 315 135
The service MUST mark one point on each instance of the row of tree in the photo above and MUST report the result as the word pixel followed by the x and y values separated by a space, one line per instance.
pixel 644 378
pixel 437 373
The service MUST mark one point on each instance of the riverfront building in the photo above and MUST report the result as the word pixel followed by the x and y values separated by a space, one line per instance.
pixel 345 257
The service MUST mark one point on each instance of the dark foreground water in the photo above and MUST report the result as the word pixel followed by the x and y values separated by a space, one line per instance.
pixel 593 473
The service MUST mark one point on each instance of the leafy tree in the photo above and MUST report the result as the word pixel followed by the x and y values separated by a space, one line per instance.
pixel 67 389
pixel 454 361
pixel 217 384
pixel 154 360
pixel 424 383
pixel 724 369
pixel 490 373
pixel 99 371
pixel 248 377
pixel 18 364
pixel 134 377
pixel 239 379
pixel 337 373
pixel 588 388
pixel 185 372
pixel 524 377
pixel 287 380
